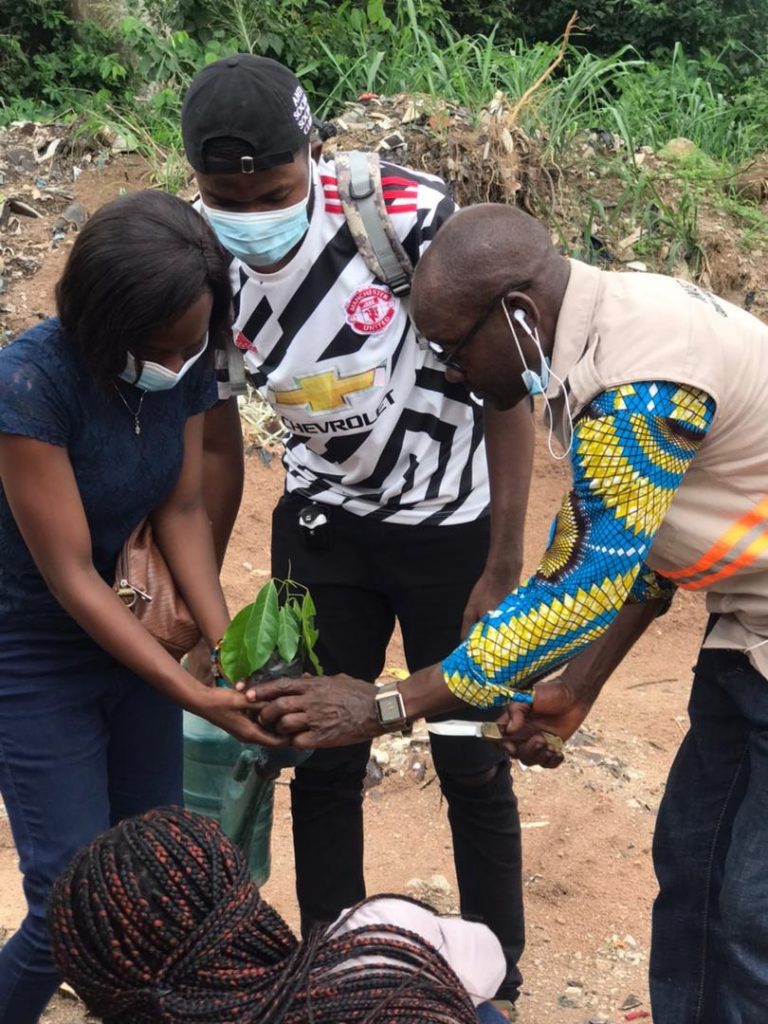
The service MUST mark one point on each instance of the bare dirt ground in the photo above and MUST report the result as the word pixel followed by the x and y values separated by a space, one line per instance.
pixel 587 827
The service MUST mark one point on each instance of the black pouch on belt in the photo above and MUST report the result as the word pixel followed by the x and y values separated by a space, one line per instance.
pixel 315 527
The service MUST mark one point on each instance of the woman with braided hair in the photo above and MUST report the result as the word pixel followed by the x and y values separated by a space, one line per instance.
pixel 157 922
pixel 102 425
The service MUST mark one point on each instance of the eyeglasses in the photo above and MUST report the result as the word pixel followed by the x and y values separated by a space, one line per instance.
pixel 450 357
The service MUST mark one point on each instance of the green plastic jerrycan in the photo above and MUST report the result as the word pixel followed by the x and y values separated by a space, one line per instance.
pixel 234 784
pixel 247 811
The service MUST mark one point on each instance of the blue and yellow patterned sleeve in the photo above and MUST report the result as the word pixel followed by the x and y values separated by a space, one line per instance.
pixel 631 447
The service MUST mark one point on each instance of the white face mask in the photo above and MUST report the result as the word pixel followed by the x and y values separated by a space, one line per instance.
pixel 154 376
pixel 536 383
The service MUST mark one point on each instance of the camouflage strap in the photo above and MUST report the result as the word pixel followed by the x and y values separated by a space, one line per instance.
pixel 362 197
pixel 236 369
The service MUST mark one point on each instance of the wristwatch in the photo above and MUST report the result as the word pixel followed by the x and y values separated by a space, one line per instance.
pixel 390 708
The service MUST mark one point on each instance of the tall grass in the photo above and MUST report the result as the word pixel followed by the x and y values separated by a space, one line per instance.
pixel 684 97
pixel 368 50
pixel 648 103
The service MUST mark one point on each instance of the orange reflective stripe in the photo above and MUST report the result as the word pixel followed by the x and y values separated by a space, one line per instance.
pixel 748 555
pixel 723 544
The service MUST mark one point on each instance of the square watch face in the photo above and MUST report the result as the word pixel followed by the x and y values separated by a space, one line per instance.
pixel 389 708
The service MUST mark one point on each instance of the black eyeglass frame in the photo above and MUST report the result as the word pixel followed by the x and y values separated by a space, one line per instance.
pixel 450 359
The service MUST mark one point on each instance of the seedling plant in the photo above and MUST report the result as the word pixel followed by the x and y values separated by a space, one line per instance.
pixel 274 635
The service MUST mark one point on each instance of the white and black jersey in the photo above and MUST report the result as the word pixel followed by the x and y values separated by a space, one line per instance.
pixel 374 424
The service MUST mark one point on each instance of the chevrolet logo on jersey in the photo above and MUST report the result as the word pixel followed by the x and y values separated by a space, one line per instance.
pixel 328 391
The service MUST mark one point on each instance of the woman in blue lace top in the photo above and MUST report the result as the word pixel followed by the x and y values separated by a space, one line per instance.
pixel 101 425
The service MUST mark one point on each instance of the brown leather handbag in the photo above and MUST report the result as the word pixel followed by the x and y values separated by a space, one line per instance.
pixel 144 583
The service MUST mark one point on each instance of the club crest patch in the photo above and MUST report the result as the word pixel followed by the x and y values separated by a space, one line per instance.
pixel 243 343
pixel 370 309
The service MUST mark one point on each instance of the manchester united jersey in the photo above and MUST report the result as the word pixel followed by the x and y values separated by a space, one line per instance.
pixel 374 425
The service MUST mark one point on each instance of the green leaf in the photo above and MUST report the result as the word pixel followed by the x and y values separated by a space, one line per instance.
pixel 234 654
pixel 313 659
pixel 309 633
pixel 288 631
pixel 260 636
pixel 375 11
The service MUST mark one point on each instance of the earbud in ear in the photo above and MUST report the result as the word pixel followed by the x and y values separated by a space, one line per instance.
pixel 519 315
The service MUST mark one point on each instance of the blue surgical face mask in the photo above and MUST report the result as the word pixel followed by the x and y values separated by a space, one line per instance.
pixel 154 376
pixel 537 383
pixel 261 239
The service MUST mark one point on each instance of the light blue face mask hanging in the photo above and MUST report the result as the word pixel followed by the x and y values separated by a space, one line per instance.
pixel 261 239
pixel 154 376
pixel 537 383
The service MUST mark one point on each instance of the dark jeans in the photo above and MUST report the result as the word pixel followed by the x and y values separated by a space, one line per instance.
pixel 373 574
pixel 77 753
pixel 488 1014
pixel 709 958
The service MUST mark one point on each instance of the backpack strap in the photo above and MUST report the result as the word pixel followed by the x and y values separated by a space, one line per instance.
pixel 362 199
pixel 235 368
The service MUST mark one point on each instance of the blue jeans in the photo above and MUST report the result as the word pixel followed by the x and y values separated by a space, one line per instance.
pixel 709 955
pixel 78 752
pixel 488 1014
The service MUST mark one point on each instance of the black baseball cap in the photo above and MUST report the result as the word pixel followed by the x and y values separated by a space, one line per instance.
pixel 243 114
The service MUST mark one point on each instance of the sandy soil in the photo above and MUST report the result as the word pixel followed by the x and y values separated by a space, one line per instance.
pixel 587 827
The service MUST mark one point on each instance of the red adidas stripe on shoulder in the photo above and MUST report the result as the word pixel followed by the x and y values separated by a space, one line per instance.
pixel 400 194
pixel 407 182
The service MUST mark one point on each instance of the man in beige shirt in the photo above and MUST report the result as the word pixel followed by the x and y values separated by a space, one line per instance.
pixel 656 390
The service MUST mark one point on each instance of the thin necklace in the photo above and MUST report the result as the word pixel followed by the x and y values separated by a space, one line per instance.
pixel 134 412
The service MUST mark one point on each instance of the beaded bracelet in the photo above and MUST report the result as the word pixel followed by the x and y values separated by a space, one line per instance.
pixel 521 697
pixel 216 671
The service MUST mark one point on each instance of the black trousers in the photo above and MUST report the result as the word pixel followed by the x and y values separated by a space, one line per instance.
pixel 371 574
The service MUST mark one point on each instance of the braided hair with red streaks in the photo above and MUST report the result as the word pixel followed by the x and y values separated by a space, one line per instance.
pixel 158 922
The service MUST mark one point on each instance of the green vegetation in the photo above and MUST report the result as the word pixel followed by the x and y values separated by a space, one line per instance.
pixel 274 630
pixel 135 72
pixel 714 92
pixel 736 26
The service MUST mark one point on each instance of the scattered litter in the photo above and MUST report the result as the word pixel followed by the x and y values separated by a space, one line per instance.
pixel 573 996
pixel 381 757
pixel 393 142
pixel 262 428
pixel 373 775
pixel 66 989
pixel 436 891
pixel 22 208
pixel 395 673
pixel 73 218
pixel 630 1003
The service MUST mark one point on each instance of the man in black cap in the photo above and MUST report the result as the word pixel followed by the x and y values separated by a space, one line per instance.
pixel 386 511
